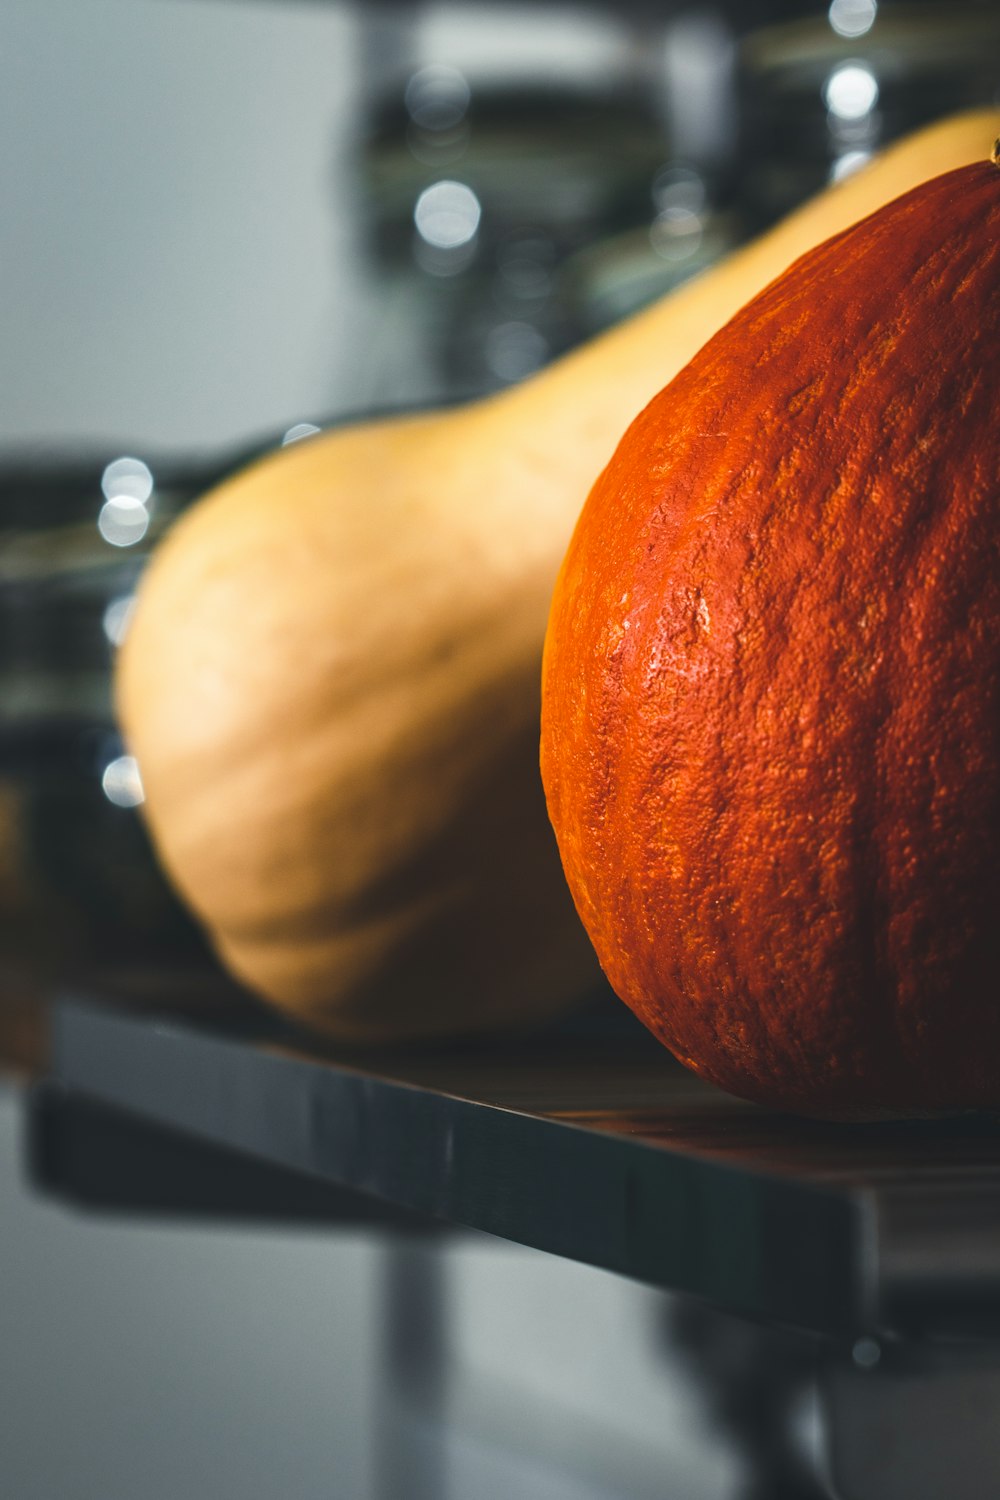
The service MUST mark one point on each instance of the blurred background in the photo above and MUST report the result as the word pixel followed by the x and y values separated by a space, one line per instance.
pixel 224 224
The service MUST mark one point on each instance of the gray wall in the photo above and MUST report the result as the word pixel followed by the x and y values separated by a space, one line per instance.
pixel 175 226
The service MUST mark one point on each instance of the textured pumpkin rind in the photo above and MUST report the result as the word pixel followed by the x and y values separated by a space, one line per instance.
pixel 771 700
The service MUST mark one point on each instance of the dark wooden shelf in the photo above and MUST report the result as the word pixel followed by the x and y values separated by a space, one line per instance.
pixel 588 1142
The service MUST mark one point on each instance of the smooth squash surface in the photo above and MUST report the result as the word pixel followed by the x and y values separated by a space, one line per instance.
pixel 331 677
pixel 771 713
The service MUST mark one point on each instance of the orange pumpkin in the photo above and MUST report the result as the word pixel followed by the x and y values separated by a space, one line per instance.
pixel 771 700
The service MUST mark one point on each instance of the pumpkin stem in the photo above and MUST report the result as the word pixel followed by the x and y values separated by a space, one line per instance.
pixel 995 153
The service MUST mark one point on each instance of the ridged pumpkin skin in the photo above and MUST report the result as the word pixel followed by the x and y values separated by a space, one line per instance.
pixel 331 678
pixel 771 703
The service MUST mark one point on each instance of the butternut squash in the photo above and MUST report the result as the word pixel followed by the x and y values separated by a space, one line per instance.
pixel 331 678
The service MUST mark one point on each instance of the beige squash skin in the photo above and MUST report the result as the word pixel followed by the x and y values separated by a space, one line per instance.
pixel 331 678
